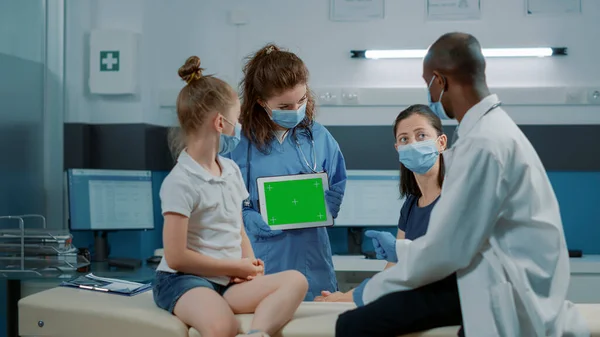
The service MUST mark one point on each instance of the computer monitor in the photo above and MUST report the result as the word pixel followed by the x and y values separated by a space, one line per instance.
pixel 372 198
pixel 108 200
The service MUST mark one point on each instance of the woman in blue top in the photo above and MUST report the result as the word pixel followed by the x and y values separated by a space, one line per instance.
pixel 280 137
pixel 419 142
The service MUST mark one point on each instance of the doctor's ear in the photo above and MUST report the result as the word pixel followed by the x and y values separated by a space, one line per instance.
pixel 440 80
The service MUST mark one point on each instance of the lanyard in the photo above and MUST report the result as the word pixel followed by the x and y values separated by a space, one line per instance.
pixel 247 202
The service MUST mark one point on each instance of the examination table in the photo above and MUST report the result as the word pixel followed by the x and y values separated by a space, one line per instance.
pixel 68 312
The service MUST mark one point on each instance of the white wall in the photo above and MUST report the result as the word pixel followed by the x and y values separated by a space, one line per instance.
pixel 81 18
pixel 174 30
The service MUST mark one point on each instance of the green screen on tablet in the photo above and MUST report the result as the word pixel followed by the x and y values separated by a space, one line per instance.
pixel 294 201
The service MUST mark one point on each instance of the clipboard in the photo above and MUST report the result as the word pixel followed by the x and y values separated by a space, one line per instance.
pixel 107 285
pixel 294 201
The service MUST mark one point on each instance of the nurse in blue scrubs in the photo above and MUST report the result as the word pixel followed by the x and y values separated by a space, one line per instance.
pixel 419 142
pixel 281 137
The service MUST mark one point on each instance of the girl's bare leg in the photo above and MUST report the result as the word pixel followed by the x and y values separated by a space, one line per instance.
pixel 272 298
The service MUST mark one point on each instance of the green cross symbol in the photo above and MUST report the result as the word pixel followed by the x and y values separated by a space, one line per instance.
pixel 109 61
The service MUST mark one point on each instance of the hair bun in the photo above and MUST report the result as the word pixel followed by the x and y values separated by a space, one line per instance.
pixel 191 69
pixel 269 48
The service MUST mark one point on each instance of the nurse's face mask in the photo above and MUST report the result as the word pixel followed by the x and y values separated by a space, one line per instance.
pixel 290 109
pixel 289 118
pixel 228 143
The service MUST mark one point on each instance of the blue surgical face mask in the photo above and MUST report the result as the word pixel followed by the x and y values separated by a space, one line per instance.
pixel 419 157
pixel 228 143
pixel 289 118
pixel 436 107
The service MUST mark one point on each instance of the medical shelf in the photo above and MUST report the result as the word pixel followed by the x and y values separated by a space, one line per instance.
pixel 30 249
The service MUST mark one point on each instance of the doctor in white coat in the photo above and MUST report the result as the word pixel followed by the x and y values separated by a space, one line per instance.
pixel 497 223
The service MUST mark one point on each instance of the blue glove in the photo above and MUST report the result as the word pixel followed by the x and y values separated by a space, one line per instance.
pixel 385 245
pixel 333 198
pixel 256 226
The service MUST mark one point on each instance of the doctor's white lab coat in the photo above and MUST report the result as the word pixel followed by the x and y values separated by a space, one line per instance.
pixel 498 226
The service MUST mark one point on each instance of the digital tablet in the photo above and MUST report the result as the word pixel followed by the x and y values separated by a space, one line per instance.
pixel 294 201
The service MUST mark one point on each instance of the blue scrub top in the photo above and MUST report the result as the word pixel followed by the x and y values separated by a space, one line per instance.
pixel 414 220
pixel 305 250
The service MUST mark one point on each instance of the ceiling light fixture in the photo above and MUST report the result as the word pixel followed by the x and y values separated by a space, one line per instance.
pixel 487 52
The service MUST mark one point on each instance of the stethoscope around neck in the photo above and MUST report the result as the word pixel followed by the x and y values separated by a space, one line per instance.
pixel 313 168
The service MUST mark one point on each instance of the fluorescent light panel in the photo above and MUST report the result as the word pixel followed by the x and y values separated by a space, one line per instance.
pixel 487 52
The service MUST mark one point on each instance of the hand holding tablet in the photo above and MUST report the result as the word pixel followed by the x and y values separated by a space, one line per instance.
pixel 294 201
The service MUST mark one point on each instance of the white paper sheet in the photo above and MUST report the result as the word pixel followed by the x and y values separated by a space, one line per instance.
pixel 356 10
pixel 552 7
pixel 453 9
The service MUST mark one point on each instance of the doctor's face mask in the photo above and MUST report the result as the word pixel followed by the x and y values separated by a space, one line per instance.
pixel 437 106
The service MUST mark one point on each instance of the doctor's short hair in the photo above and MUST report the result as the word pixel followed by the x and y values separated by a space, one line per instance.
pixel 267 73
pixel 203 95
pixel 408 182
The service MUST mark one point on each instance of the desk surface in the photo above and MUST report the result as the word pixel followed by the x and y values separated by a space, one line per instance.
pixel 102 269
pixel 356 263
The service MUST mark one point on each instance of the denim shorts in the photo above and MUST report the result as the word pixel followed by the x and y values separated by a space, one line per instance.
pixel 169 287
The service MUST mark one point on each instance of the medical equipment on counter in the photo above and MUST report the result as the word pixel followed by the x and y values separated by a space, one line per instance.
pixel 294 201
pixel 36 250
pixel 107 285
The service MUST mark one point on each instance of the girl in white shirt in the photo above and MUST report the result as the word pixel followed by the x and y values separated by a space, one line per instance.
pixel 209 271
